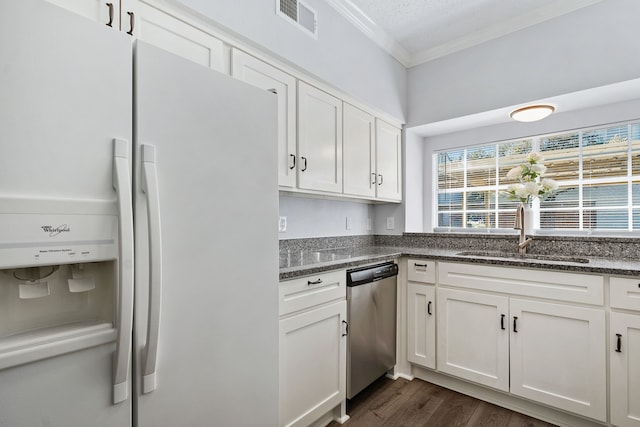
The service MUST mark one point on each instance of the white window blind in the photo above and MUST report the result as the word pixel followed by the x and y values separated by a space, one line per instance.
pixel 598 172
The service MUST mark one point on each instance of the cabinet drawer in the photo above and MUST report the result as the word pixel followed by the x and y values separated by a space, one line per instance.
pixel 625 293
pixel 302 293
pixel 556 285
pixel 420 270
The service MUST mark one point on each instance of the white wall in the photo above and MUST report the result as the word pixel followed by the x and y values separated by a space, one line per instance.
pixel 307 217
pixel 594 46
pixel 341 56
pixel 602 115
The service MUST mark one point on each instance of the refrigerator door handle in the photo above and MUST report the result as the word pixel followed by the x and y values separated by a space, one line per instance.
pixel 150 188
pixel 122 185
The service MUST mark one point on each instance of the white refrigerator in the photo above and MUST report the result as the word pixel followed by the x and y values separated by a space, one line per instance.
pixel 138 248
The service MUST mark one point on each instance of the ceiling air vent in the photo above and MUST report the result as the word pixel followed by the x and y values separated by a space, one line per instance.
pixel 299 13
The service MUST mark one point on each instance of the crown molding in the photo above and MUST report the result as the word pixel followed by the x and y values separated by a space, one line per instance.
pixel 361 21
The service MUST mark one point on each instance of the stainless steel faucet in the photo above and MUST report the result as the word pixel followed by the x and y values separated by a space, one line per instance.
pixel 520 225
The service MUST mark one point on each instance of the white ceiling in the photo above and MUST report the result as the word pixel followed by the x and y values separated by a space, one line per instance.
pixel 417 31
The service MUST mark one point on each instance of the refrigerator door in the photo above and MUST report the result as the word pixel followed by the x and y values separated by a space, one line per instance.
pixel 65 85
pixel 208 142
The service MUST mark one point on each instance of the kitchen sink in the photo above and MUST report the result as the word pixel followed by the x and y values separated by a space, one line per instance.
pixel 509 255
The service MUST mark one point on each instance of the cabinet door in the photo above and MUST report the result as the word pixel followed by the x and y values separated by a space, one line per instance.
pixel 388 161
pixel 167 32
pixel 106 12
pixel 312 363
pixel 558 356
pixel 625 370
pixel 319 140
pixel 421 324
pixel 359 152
pixel 262 75
pixel 471 341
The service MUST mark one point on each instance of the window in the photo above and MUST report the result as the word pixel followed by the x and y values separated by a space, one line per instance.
pixel 598 172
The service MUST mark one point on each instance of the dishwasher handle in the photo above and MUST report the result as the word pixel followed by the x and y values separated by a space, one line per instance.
pixel 360 276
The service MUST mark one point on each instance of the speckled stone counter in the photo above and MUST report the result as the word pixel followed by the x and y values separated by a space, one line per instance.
pixel 300 259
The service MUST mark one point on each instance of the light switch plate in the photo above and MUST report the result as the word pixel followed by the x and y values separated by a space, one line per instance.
pixel 282 224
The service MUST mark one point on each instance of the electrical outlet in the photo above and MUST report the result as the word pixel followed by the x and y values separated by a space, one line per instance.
pixel 282 224
pixel 348 223
pixel 391 223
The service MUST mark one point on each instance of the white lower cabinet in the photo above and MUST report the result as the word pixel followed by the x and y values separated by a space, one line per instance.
pixel 473 338
pixel 421 324
pixel 549 353
pixel 312 364
pixel 498 331
pixel 624 351
pixel 558 356
pixel 313 348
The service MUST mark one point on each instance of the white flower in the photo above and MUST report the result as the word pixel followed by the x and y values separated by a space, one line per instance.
pixel 549 184
pixel 513 187
pixel 539 168
pixel 535 157
pixel 532 188
pixel 514 173
pixel 521 192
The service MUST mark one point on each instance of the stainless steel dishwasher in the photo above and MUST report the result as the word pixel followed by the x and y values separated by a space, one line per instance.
pixel 371 317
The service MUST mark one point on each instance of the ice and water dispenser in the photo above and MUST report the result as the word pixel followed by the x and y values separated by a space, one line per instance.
pixel 58 276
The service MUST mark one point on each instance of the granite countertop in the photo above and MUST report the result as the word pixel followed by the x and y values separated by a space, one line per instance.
pixel 305 262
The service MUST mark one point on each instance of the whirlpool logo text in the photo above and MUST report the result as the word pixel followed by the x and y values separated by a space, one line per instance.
pixel 54 231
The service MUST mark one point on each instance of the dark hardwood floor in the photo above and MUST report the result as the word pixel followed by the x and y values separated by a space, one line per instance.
pixel 403 403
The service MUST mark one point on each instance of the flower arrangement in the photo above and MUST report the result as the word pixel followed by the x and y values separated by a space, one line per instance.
pixel 531 184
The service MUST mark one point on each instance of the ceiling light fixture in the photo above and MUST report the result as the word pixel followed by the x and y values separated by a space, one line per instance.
pixel 532 113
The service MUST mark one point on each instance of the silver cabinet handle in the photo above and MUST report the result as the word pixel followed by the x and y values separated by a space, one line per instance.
pixel 381 179
pixel 314 282
pixel 373 174
pixel 293 166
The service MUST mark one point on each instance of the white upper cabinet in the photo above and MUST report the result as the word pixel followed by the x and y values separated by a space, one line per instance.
pixel 106 12
pixel 319 140
pixel 388 161
pixel 260 74
pixel 372 156
pixel 358 152
pixel 167 32
pixel 142 20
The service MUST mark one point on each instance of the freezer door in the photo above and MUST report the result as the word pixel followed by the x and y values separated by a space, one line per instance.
pixel 66 90
pixel 208 144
